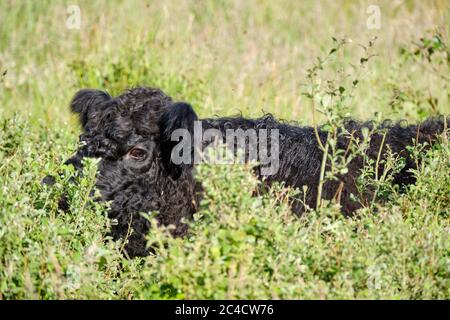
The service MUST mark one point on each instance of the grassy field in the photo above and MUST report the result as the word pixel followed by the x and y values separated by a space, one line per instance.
pixel 224 57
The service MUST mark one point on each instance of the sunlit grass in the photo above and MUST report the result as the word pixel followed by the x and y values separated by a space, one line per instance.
pixel 224 57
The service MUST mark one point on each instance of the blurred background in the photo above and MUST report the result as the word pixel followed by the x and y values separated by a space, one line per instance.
pixel 226 57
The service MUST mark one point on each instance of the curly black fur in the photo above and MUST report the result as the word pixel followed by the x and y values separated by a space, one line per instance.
pixel 131 134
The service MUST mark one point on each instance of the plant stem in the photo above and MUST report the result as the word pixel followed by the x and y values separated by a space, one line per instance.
pixel 322 174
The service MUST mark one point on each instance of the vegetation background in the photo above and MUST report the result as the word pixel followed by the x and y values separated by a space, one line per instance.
pixel 224 57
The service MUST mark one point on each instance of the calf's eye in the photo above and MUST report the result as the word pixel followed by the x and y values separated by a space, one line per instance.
pixel 137 153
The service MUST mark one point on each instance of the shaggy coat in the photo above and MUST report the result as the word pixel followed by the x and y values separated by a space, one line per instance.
pixel 131 133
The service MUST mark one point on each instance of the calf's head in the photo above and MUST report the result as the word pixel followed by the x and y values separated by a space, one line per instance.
pixel 131 134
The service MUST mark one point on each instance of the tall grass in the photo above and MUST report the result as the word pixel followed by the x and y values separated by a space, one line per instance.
pixel 224 57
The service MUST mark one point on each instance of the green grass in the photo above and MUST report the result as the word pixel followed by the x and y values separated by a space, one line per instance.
pixel 224 57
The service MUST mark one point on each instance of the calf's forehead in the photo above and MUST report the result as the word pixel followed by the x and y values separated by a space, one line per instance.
pixel 151 99
pixel 128 114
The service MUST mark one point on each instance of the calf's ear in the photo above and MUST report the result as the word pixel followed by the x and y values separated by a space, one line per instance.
pixel 176 127
pixel 86 103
